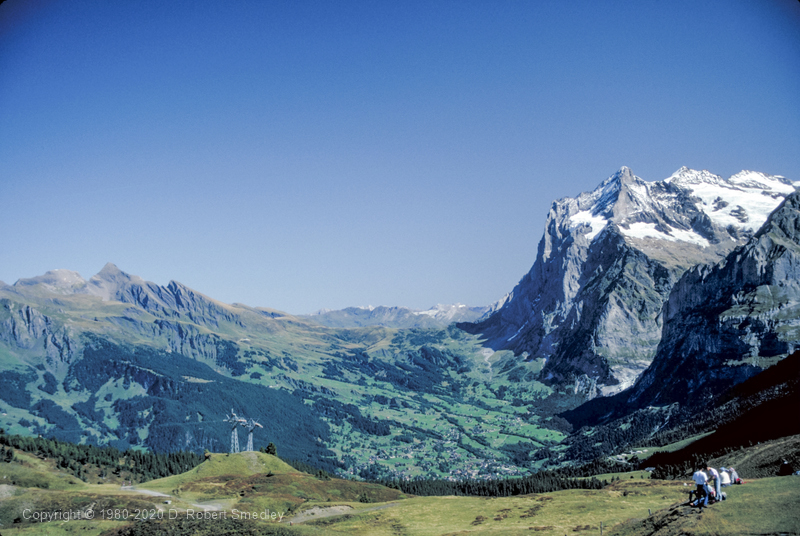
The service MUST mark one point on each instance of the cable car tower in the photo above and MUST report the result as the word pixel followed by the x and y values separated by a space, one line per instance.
pixel 250 425
pixel 235 422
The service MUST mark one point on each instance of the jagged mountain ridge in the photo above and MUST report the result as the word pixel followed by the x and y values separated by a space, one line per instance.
pixel 590 307
pixel 112 284
pixel 173 316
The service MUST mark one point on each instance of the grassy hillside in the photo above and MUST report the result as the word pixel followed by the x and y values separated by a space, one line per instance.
pixel 255 481
pixel 549 514
pixel 221 467
pixel 766 506
pixel 20 506
pixel 763 459
pixel 28 471
pixel 232 486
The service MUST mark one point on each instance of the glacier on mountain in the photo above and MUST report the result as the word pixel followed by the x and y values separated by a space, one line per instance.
pixel 740 204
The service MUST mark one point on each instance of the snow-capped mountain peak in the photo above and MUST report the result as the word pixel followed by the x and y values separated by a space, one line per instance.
pixel 696 208
pixel 590 307
pixel 742 202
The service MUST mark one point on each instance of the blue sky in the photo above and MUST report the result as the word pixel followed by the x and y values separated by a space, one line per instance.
pixel 306 155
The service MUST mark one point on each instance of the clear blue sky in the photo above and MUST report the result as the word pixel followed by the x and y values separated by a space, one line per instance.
pixel 303 155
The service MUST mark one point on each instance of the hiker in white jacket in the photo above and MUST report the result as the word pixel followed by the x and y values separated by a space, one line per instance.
pixel 713 473
pixel 701 479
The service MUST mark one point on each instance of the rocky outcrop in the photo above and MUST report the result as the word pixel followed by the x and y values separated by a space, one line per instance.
pixel 24 327
pixel 591 305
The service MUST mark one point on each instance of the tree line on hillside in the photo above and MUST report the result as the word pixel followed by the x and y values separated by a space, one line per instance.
pixel 139 465
pixel 540 482
pixel 143 466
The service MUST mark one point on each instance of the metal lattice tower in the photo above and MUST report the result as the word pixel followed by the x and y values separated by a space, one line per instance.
pixel 250 425
pixel 235 422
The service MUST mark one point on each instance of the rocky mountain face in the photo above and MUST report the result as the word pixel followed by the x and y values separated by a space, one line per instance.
pixel 590 307
pixel 439 316
pixel 724 323
pixel 24 327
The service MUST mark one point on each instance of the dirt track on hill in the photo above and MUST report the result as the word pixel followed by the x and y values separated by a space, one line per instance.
pixel 319 512
pixel 210 507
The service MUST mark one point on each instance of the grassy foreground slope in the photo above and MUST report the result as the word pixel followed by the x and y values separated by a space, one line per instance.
pixel 551 514
pixel 557 513
pixel 229 485
pixel 765 506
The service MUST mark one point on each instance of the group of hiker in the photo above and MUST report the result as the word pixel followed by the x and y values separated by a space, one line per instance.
pixel 710 482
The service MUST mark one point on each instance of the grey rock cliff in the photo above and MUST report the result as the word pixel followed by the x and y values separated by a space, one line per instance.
pixel 23 326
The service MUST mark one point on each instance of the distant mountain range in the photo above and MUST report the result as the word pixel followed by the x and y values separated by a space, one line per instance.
pixel 438 316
